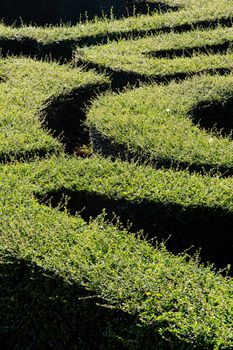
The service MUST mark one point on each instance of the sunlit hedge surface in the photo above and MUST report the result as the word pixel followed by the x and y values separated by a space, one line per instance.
pixel 116 252
pixel 29 87
pixel 171 296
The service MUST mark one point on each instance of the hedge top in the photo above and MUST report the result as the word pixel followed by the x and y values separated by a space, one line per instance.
pixel 26 87
pixel 162 130
pixel 189 304
pixel 199 14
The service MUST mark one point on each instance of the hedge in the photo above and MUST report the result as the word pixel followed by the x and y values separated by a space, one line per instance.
pixel 28 90
pixel 59 41
pixel 170 296
pixel 163 57
pixel 187 211
pixel 148 123
pixel 71 276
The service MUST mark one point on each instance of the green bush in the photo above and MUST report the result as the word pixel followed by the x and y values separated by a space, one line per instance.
pixel 59 41
pixel 164 131
pixel 72 277
pixel 162 57
pixel 27 88
pixel 170 296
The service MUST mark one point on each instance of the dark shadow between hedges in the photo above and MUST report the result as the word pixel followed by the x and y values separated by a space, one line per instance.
pixel 215 115
pixel 63 50
pixel 121 78
pixel 56 11
pixel 64 116
pixel 191 51
pixel 71 11
pixel 192 228
pixel 39 311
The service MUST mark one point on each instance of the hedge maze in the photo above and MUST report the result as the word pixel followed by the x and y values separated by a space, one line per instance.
pixel 116 162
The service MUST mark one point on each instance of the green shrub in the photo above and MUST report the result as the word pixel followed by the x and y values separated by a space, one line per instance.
pixel 158 57
pixel 185 210
pixel 68 281
pixel 171 296
pixel 28 86
pixel 164 131
pixel 59 41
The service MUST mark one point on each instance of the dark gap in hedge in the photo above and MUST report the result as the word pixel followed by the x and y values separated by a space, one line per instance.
pixel 63 50
pixel 189 52
pixel 182 228
pixel 71 11
pixel 39 310
pixel 27 155
pixel 109 148
pixel 56 11
pixel 215 115
pixel 64 116
pixel 121 79
pixel 25 46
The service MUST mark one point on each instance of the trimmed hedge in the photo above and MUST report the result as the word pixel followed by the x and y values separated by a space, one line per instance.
pixel 171 296
pixel 60 41
pixel 70 282
pixel 163 57
pixel 27 90
pixel 188 134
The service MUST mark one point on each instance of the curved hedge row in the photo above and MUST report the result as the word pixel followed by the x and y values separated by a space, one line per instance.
pixel 186 211
pixel 171 295
pixel 28 86
pixel 59 41
pixel 163 57
pixel 109 287
pixel 189 133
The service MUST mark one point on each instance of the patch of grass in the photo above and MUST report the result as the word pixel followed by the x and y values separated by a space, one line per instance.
pixel 172 296
pixel 27 86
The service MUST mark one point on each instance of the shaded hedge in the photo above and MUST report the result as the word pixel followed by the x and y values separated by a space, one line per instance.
pixel 55 11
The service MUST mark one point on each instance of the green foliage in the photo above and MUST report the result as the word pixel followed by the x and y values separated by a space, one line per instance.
pixel 192 14
pixel 172 295
pixel 162 130
pixel 72 277
pixel 26 87
pixel 139 56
